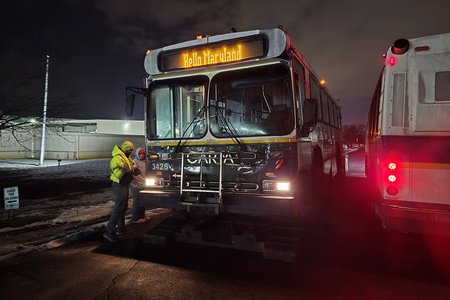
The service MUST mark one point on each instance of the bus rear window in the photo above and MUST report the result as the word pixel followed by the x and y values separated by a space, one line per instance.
pixel 442 86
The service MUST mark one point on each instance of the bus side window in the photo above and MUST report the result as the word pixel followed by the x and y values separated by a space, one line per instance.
pixel 315 94
pixel 442 86
pixel 301 100
pixel 309 116
pixel 299 89
pixel 332 112
pixel 324 106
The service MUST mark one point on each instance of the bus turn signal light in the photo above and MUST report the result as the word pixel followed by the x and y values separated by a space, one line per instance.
pixel 279 163
pixel 153 156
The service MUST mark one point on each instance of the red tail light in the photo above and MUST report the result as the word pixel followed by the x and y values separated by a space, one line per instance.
pixel 391 175
pixel 392 178
pixel 391 61
pixel 392 190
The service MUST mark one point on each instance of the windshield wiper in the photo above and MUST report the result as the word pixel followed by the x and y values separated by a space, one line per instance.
pixel 194 120
pixel 230 129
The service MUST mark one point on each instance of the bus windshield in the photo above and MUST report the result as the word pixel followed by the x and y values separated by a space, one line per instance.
pixel 254 102
pixel 176 109
pixel 251 103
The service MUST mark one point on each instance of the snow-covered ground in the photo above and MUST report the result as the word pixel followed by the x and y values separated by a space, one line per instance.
pixel 52 178
pixel 14 164
pixel 59 204
pixel 54 200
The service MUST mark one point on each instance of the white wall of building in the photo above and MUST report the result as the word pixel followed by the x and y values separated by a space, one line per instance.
pixel 72 145
pixel 131 127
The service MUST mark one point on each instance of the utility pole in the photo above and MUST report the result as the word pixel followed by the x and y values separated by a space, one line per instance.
pixel 44 118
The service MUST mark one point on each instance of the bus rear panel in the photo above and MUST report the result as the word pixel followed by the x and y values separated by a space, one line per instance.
pixel 408 141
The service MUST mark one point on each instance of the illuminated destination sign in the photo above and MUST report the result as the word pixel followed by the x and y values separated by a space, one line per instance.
pixel 213 54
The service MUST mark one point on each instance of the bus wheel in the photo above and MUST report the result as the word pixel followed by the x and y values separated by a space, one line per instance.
pixel 340 162
pixel 319 180
pixel 317 169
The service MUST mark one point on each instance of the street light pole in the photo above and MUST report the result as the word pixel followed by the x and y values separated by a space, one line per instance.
pixel 44 118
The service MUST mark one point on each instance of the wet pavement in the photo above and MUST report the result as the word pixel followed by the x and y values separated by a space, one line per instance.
pixel 344 254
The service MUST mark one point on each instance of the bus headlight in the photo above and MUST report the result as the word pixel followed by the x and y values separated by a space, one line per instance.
pixel 283 186
pixel 154 182
pixel 276 186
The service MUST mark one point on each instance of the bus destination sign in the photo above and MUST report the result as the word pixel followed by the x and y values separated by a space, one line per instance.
pixel 213 54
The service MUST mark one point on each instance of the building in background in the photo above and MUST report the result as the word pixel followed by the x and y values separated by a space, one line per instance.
pixel 71 139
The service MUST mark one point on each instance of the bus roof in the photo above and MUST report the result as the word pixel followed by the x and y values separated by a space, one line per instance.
pixel 438 43
pixel 264 43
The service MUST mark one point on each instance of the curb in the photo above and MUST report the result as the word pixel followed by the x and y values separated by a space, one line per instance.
pixel 59 240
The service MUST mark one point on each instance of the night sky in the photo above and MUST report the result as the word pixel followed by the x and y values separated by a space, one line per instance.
pixel 97 48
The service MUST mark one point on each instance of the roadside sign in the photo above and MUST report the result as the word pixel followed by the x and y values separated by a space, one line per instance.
pixel 11 195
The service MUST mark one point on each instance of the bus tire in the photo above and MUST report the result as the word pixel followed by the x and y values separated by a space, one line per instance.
pixel 340 162
pixel 317 168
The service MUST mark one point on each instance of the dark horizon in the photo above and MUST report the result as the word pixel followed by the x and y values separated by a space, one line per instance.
pixel 97 49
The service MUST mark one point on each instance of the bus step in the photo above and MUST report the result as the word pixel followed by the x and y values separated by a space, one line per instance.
pixel 158 237
pixel 280 255
pixel 288 232
pixel 281 245
pixel 164 232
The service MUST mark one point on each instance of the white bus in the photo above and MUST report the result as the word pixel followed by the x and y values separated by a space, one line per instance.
pixel 238 124
pixel 408 136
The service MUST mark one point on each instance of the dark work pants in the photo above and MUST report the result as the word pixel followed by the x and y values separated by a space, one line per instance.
pixel 137 211
pixel 117 218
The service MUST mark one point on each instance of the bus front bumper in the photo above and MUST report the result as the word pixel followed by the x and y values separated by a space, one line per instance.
pixel 240 203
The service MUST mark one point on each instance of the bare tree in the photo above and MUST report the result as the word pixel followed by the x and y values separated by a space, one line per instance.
pixel 354 134
pixel 22 95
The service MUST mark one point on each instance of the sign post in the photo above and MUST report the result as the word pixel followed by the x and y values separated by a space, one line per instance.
pixel 11 195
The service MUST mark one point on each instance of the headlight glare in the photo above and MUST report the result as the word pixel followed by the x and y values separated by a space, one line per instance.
pixel 283 186
pixel 154 182
pixel 276 186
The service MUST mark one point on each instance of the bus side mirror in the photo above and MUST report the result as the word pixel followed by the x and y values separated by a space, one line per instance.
pixel 309 116
pixel 129 106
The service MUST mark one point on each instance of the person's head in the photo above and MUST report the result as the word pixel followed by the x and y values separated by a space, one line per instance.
pixel 127 148
pixel 140 153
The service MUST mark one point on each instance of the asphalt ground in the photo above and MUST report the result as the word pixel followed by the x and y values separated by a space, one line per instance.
pixel 344 254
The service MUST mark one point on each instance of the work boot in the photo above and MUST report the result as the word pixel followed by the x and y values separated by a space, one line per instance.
pixel 123 231
pixel 110 237
pixel 139 221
